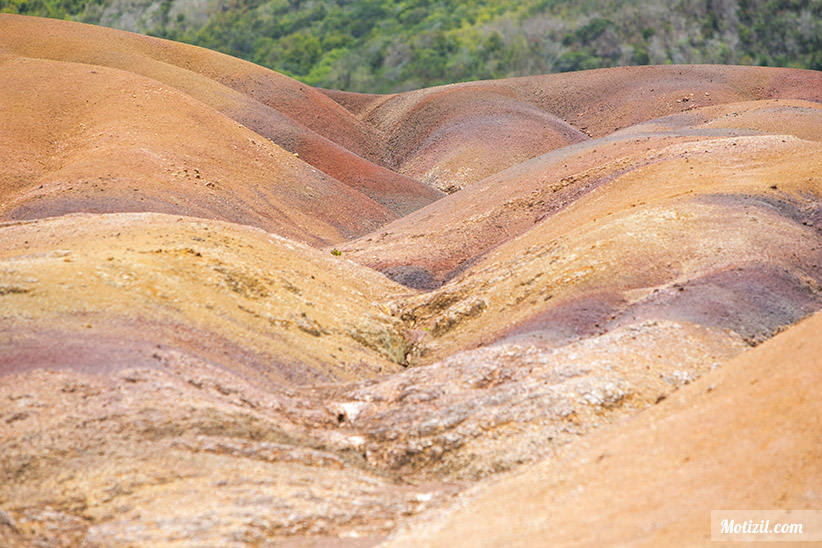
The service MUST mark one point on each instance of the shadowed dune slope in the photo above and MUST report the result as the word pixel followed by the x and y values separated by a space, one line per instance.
pixel 742 437
pixel 293 115
pixel 101 293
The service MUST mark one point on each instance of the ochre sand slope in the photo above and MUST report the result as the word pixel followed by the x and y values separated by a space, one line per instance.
pixel 723 233
pixel 719 231
pixel 742 437
pixel 99 293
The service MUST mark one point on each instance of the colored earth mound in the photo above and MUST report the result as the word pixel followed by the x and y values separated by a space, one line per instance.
pixel 236 310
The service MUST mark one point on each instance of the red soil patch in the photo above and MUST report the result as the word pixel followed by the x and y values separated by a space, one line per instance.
pixel 293 115
pixel 452 137
pixel 121 142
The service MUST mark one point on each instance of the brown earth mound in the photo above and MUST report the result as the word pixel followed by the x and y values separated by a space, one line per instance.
pixel 295 116
pixel 452 137
pixel 119 142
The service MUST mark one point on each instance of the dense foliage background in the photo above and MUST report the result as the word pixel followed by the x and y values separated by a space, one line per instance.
pixel 382 46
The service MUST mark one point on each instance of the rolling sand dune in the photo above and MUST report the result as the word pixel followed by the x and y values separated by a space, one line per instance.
pixel 452 138
pixel 686 236
pixel 295 116
pixel 461 228
pixel 239 311
pixel 446 136
pixel 126 143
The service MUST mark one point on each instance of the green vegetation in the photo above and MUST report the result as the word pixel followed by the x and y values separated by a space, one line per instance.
pixel 382 46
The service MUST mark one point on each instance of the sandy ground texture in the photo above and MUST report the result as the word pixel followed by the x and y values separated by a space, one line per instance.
pixel 239 311
pixel 744 437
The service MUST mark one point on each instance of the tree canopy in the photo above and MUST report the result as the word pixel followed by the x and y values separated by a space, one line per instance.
pixel 384 46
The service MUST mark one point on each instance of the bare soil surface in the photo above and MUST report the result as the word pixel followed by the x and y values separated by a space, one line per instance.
pixel 744 436
pixel 239 311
